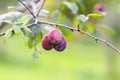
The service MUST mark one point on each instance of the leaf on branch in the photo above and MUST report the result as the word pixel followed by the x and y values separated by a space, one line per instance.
pixel 55 14
pixel 39 34
pixel 30 43
pixel 26 28
pixel 31 37
pixel 17 29
pixel 96 15
pixel 35 55
pixel 13 16
pixel 24 20
pixel 44 13
pixel 7 21
pixel 72 6
pixel 83 26
pixel 97 32
pixel 12 8
pixel 5 25
pixel 7 35
pixel 66 32
pixel 107 29
pixel 91 26
pixel 59 17
pixel 81 6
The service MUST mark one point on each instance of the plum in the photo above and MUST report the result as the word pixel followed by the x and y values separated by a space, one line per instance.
pixel 61 46
pixel 55 36
pixel 46 44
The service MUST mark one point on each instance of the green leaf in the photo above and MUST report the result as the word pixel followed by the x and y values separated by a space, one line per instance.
pixel 30 43
pixel 32 38
pixel 108 29
pixel 24 20
pixel 5 25
pixel 55 15
pixel 44 13
pixel 7 35
pixel 26 28
pixel 12 8
pixel 81 5
pixel 12 33
pixel 66 32
pixel 39 36
pixel 82 18
pixel 60 17
pixel 96 32
pixel 96 15
pixel 91 26
pixel 63 19
pixel 72 6
pixel 7 21
pixel 17 29
pixel 35 55
pixel 13 16
pixel 83 26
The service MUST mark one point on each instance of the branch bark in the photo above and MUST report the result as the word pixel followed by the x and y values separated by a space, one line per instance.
pixel 43 2
pixel 32 13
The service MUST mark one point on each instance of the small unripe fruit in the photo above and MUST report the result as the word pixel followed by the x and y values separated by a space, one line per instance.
pixel 62 45
pixel 55 36
pixel 46 44
pixel 99 7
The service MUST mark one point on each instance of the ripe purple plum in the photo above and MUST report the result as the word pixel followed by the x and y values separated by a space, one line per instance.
pixel 46 44
pixel 61 46
pixel 55 36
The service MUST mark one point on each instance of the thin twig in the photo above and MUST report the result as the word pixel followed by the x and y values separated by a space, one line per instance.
pixel 43 2
pixel 35 32
pixel 27 8
pixel 34 7
pixel 2 34
pixel 60 25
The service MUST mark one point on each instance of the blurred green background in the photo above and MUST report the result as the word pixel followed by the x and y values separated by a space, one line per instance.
pixel 83 59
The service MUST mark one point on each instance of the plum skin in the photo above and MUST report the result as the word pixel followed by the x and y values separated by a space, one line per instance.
pixel 55 36
pixel 61 46
pixel 46 44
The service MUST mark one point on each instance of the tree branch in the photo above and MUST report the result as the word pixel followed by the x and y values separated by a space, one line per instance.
pixel 83 32
pixel 27 8
pixel 2 34
pixel 43 2
pixel 73 29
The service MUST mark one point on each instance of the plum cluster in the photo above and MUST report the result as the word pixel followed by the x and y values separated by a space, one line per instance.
pixel 54 39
